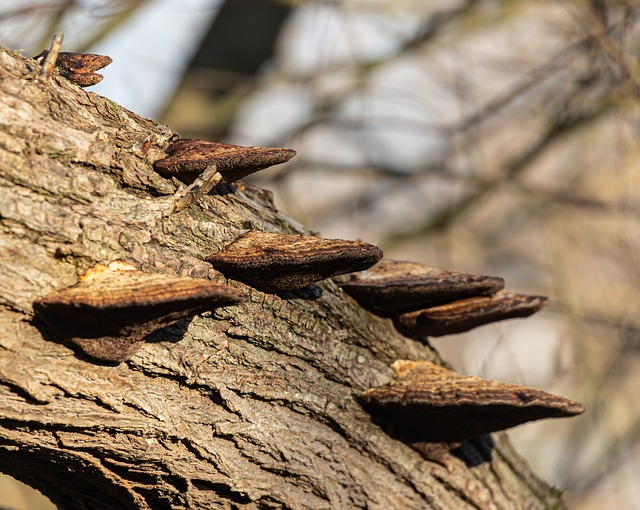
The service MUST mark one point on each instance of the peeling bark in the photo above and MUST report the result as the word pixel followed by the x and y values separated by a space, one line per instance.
pixel 249 406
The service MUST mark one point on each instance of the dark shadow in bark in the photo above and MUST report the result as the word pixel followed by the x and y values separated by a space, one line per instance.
pixel 173 333
pixel 472 452
pixel 475 451
pixel 309 293
pixel 66 480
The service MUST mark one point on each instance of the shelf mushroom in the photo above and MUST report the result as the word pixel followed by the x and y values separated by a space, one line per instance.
pixel 188 158
pixel 395 286
pixel 465 314
pixel 275 263
pixel 113 308
pixel 424 301
pixel 429 403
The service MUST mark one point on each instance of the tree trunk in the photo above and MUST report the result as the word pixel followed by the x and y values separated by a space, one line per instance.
pixel 249 406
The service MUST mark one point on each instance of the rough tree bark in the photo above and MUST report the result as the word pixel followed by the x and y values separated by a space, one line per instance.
pixel 250 406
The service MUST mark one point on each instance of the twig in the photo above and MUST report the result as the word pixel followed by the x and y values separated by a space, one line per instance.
pixel 203 184
pixel 51 58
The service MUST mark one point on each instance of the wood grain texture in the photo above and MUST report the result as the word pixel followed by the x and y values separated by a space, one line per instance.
pixel 429 403
pixel 251 407
pixel 187 158
pixel 275 262
pixel 395 286
pixel 465 314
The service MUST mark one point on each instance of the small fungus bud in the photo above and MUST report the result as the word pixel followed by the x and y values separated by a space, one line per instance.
pixel 110 311
pixel 282 262
pixel 466 314
pixel 188 158
pixel 428 403
pixel 394 286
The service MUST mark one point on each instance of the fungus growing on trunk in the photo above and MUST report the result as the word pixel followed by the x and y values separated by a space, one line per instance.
pixel 282 262
pixel 428 403
pixel 395 286
pixel 80 68
pixel 466 314
pixel 113 308
pixel 188 158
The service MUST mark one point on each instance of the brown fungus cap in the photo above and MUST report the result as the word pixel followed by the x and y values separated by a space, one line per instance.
pixel 283 262
pixel 79 68
pixel 110 311
pixel 466 314
pixel 428 403
pixel 188 158
pixel 395 286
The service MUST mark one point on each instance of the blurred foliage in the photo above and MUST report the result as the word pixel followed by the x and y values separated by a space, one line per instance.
pixel 492 136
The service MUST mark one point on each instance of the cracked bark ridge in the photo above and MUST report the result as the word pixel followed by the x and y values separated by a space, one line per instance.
pixel 79 68
pixel 430 404
pixel 188 158
pixel 113 308
pixel 395 286
pixel 283 262
pixel 465 314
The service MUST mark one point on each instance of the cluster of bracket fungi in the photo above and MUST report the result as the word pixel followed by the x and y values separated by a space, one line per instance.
pixel 113 308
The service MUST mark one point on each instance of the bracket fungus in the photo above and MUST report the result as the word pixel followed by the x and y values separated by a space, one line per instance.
pixel 111 310
pixel 396 286
pixel 466 314
pixel 80 68
pixel 188 158
pixel 283 262
pixel 429 403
